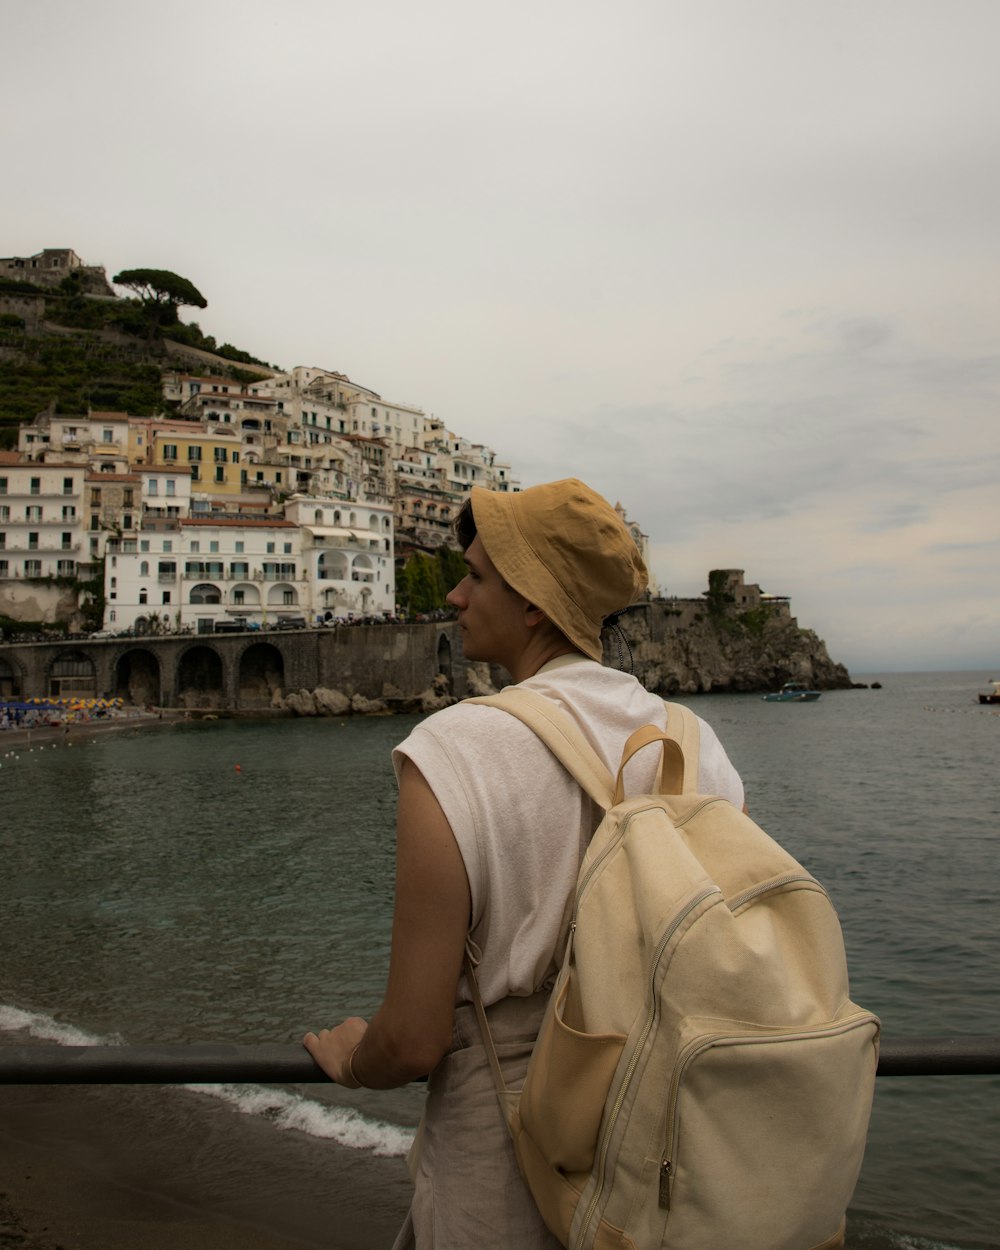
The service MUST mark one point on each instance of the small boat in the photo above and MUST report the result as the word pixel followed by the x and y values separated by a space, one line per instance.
pixel 793 692
pixel 994 694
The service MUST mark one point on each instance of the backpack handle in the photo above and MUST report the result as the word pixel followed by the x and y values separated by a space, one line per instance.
pixel 671 765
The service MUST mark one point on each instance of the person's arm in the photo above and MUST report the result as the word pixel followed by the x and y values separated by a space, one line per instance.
pixel 412 1029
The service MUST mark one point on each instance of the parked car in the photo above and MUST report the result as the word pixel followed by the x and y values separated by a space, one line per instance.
pixel 291 622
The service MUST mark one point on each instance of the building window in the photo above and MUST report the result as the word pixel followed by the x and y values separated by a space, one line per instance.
pixel 220 473
pixel 4 569
pixel 195 474
pixel 144 544
pixel 95 522
pixel 3 486
pixel 171 486
pixel 239 597
pixel 36 486
pixel 127 521
pixel 166 596
pixel 270 549
pixel 169 451
pixel 67 486
pixel 236 457
pixel 213 545
pixel 288 549
pixel 287 596
pixel 194 453
pixel 127 499
pixel 69 513
pixel 33 513
pixel 143 596
pixel 32 568
pixel 152 486
pixel 219 455
pixel 107 436
pixel 196 547
pixel 144 568
pixel 67 542
pixel 33 540
pixel 95 497
pixel 168 545
pixel 239 548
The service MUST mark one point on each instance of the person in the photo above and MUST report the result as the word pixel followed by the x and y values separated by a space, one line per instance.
pixel 491 831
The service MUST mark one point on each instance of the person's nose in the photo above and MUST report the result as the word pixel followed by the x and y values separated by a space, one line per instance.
pixel 456 596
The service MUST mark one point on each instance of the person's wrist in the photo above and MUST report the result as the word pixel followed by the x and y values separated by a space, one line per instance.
pixel 355 1082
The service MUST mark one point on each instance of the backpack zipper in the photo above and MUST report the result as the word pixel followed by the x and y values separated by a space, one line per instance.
pixel 633 1062
pixel 775 883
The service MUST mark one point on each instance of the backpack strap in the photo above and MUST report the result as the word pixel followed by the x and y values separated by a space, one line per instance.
pixel 560 735
pixel 682 727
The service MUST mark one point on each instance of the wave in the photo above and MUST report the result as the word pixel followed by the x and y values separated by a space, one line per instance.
pixel 284 1109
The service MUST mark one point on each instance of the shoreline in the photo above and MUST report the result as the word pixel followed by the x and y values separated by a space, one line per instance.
pixel 118 1167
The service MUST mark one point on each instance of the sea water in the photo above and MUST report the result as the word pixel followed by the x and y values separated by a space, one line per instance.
pixel 231 881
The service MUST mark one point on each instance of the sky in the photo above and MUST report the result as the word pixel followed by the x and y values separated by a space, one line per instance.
pixel 732 262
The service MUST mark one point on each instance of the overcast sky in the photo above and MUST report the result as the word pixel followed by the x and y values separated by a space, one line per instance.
pixel 736 263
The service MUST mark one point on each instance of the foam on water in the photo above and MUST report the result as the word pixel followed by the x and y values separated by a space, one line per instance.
pixel 286 1110
pixel 47 1029
pixel 283 1109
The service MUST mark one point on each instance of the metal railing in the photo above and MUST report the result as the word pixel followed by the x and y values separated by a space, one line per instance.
pixel 212 1064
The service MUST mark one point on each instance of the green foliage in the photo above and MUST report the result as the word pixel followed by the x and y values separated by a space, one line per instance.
pixel 754 621
pixel 12 286
pixel 162 287
pixel 161 293
pixel 719 600
pixel 74 374
pixel 424 581
pixel 11 321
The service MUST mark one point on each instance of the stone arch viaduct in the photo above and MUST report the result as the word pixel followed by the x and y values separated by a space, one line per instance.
pixel 238 672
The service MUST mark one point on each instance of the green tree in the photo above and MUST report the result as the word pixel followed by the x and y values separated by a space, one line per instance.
pixel 162 293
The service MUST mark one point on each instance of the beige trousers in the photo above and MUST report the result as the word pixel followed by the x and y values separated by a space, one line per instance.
pixel 468 1191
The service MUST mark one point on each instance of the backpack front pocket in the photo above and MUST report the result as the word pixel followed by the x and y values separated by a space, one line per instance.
pixel 566 1087
pixel 765 1132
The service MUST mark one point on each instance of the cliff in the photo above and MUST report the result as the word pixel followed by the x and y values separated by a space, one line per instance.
pixel 684 647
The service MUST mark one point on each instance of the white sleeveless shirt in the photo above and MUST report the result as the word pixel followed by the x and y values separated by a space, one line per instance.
pixel 522 823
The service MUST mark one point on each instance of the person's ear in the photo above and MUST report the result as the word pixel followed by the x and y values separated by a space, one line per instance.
pixel 532 615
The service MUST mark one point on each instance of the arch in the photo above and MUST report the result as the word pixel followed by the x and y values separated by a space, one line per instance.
pixel 11 685
pixel 137 677
pixel 282 594
pixel 200 678
pixel 205 592
pixel 332 566
pixel 72 673
pixel 143 568
pixel 249 592
pixel 318 516
pixel 261 676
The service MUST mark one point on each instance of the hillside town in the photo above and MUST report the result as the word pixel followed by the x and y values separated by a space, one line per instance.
pixel 291 499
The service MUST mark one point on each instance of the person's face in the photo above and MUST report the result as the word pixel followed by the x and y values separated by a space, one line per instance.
pixel 492 617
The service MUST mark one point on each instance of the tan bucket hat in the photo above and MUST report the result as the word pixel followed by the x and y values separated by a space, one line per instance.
pixel 566 550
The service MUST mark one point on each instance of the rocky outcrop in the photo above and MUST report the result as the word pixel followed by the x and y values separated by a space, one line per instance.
pixel 681 651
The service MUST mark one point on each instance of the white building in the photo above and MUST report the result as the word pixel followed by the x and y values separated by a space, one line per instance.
pixel 205 570
pixel 347 555
pixel 41 518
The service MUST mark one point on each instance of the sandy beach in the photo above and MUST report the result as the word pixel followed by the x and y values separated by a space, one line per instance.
pixel 154 1168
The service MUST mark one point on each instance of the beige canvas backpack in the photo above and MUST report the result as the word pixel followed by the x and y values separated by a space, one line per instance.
pixel 702 1079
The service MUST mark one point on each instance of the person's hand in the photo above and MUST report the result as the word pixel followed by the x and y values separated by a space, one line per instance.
pixel 332 1049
